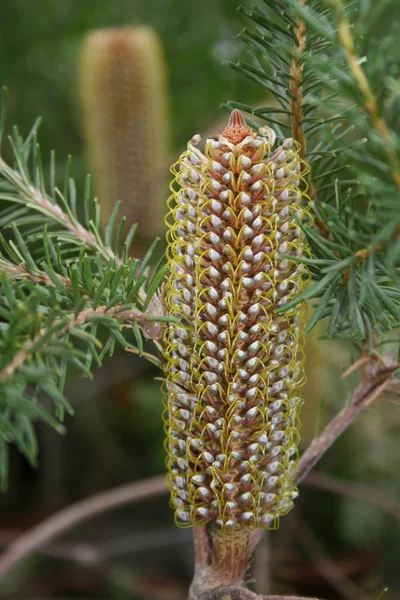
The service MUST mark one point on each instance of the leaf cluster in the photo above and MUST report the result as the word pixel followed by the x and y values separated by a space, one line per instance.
pixel 68 294
pixel 347 111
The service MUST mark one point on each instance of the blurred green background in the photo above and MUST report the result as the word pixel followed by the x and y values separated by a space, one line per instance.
pixel 40 44
pixel 116 435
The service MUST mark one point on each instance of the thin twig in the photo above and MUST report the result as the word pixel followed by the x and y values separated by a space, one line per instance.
pixel 19 272
pixel 355 366
pixel 370 101
pixel 353 489
pixel 379 377
pixel 35 197
pixel 365 253
pixel 296 101
pixel 152 357
pixel 71 516
pixel 296 104
pixel 151 328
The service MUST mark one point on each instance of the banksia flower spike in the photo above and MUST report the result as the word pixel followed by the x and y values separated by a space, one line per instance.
pixel 124 99
pixel 234 366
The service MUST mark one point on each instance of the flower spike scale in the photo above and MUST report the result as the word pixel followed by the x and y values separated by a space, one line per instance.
pixel 234 366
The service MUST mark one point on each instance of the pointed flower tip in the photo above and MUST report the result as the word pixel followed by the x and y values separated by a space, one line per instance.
pixel 237 128
pixel 237 119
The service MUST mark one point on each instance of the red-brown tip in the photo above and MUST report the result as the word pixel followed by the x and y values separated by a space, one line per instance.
pixel 237 119
pixel 237 128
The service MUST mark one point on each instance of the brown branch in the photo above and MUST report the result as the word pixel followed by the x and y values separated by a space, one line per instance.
pixel 19 272
pixel 151 357
pixel 37 199
pixel 378 377
pixel 356 365
pixel 370 101
pixel 296 101
pixel 353 489
pixel 365 253
pixel 151 330
pixel 371 108
pixel 33 195
pixel 71 516
pixel 296 107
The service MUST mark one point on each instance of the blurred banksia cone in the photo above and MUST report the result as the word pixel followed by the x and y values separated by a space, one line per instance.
pixel 235 366
pixel 124 97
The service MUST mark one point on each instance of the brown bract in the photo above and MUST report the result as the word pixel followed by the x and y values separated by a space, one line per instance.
pixel 237 128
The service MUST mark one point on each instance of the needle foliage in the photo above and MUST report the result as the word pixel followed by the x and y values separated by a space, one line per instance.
pixel 332 70
pixel 69 294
